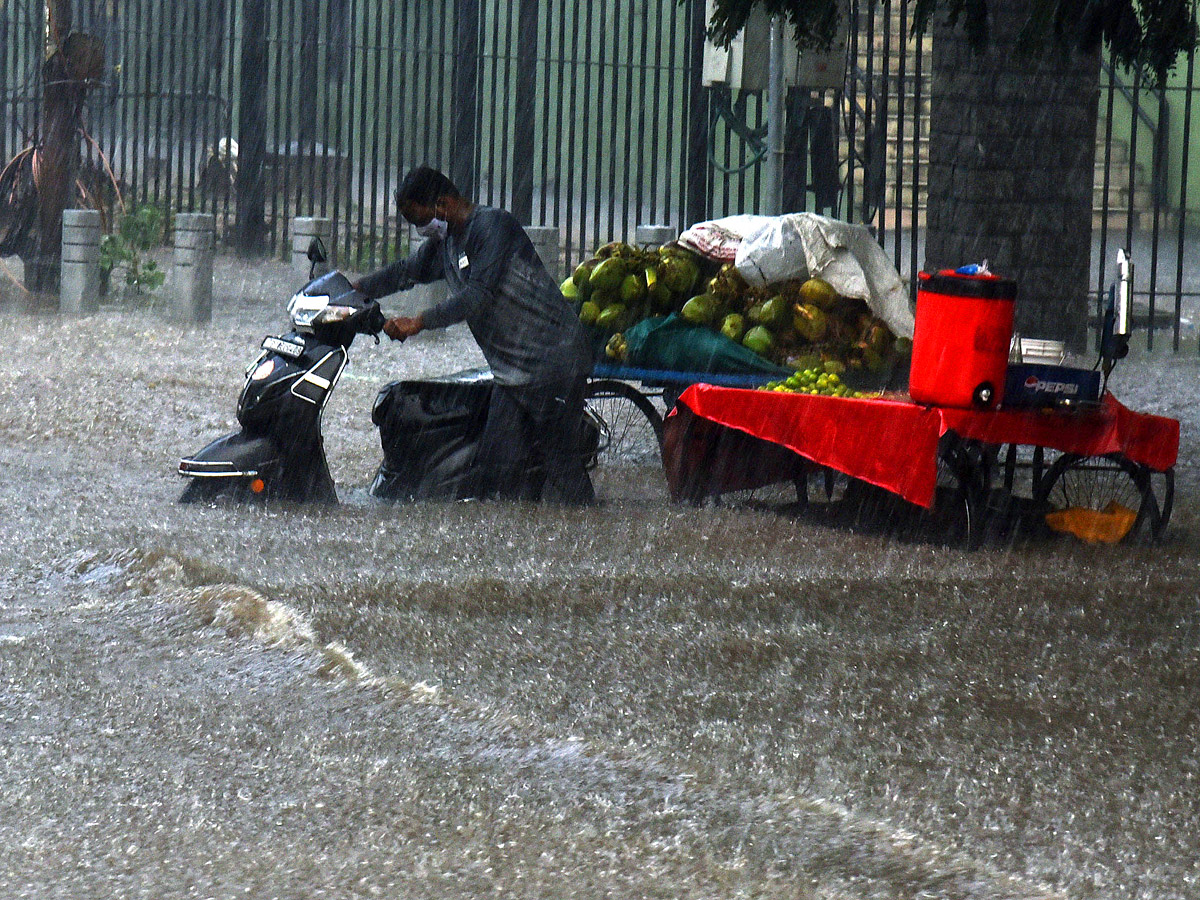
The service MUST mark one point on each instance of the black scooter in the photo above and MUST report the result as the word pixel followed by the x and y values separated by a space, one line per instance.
pixel 279 452
pixel 428 429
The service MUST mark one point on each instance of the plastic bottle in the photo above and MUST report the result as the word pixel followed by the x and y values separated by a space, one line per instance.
pixel 974 269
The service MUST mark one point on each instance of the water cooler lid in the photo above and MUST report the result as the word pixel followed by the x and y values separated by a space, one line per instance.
pixel 982 287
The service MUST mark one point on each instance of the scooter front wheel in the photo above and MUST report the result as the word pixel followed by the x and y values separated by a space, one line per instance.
pixel 199 490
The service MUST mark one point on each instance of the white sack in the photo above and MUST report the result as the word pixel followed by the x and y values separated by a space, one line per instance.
pixel 806 245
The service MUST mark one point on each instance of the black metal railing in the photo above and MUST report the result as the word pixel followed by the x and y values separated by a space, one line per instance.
pixel 589 116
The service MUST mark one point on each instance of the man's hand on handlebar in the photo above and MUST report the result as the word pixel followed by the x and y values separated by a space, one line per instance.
pixel 402 327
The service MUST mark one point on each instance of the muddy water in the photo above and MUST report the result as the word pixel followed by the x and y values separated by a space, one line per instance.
pixel 635 700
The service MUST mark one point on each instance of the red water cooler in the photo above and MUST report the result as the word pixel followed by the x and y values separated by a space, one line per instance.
pixel 964 326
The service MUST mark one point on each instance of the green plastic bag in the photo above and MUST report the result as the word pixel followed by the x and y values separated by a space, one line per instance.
pixel 677 345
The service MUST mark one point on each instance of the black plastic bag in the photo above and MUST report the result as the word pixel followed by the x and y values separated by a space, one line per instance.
pixel 429 431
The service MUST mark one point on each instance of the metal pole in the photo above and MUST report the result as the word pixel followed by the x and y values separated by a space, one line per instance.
pixel 466 98
pixel 697 188
pixel 771 202
pixel 5 115
pixel 252 138
pixel 525 112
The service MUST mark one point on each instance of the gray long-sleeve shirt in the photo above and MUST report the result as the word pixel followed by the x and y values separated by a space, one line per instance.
pixel 527 330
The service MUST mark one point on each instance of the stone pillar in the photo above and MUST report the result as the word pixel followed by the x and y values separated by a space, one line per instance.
pixel 304 229
pixel 192 275
pixel 655 235
pixel 549 248
pixel 79 291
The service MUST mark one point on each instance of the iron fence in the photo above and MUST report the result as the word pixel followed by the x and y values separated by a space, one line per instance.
pixel 590 116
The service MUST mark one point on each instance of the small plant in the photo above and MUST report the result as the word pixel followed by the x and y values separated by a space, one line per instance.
pixel 138 232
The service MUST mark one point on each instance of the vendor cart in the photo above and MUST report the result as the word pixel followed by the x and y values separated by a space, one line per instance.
pixel 1108 469
pixel 967 457
pixel 965 471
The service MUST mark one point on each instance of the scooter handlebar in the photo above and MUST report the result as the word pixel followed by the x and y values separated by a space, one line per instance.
pixel 374 320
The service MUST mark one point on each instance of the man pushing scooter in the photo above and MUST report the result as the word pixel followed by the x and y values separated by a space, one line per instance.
pixel 538 351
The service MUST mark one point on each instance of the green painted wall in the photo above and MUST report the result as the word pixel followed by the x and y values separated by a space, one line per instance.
pixel 1181 133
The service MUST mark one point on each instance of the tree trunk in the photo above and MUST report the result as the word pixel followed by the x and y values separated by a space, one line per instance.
pixel 63 94
pixel 1012 152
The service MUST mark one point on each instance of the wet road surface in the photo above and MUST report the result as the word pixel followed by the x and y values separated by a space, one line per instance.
pixel 638 700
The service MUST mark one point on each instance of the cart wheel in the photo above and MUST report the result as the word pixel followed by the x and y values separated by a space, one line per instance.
pixel 1095 482
pixel 631 427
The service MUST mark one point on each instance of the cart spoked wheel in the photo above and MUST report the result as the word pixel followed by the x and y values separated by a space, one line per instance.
pixel 631 426
pixel 1107 498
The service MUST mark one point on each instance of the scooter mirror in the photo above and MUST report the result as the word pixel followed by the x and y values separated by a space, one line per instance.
pixel 316 251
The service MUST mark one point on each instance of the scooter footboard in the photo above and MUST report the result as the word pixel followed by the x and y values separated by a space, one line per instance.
pixel 237 455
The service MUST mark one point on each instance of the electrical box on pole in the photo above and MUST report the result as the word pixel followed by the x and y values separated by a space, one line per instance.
pixel 743 65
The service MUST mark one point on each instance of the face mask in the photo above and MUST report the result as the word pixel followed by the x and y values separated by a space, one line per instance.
pixel 433 228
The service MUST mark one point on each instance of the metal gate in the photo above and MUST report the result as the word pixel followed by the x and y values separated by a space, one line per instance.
pixel 590 116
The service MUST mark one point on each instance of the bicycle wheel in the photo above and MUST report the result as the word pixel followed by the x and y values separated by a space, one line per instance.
pixel 630 425
pixel 1111 498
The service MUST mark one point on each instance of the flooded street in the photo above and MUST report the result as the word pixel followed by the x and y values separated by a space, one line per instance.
pixel 636 700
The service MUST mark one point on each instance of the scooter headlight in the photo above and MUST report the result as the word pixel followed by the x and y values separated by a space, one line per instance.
pixel 332 314
pixel 304 309
pixel 264 370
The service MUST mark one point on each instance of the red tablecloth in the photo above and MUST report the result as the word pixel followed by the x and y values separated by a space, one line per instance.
pixel 894 444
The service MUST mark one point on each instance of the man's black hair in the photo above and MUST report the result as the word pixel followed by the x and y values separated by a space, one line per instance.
pixel 425 185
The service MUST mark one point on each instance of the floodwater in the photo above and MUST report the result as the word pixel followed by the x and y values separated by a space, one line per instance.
pixel 636 700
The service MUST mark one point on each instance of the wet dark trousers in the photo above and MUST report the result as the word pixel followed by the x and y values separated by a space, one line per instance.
pixel 529 446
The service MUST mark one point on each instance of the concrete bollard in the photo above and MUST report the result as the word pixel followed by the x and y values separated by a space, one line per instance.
pixel 79 291
pixel 549 248
pixel 655 235
pixel 304 229
pixel 192 273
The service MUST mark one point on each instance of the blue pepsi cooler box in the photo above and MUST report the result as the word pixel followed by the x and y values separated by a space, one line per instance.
pixel 1041 386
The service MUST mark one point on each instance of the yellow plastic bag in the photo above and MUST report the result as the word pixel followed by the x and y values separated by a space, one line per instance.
pixel 1096 526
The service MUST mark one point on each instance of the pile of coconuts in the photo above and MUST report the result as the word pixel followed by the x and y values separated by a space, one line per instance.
pixel 800 324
